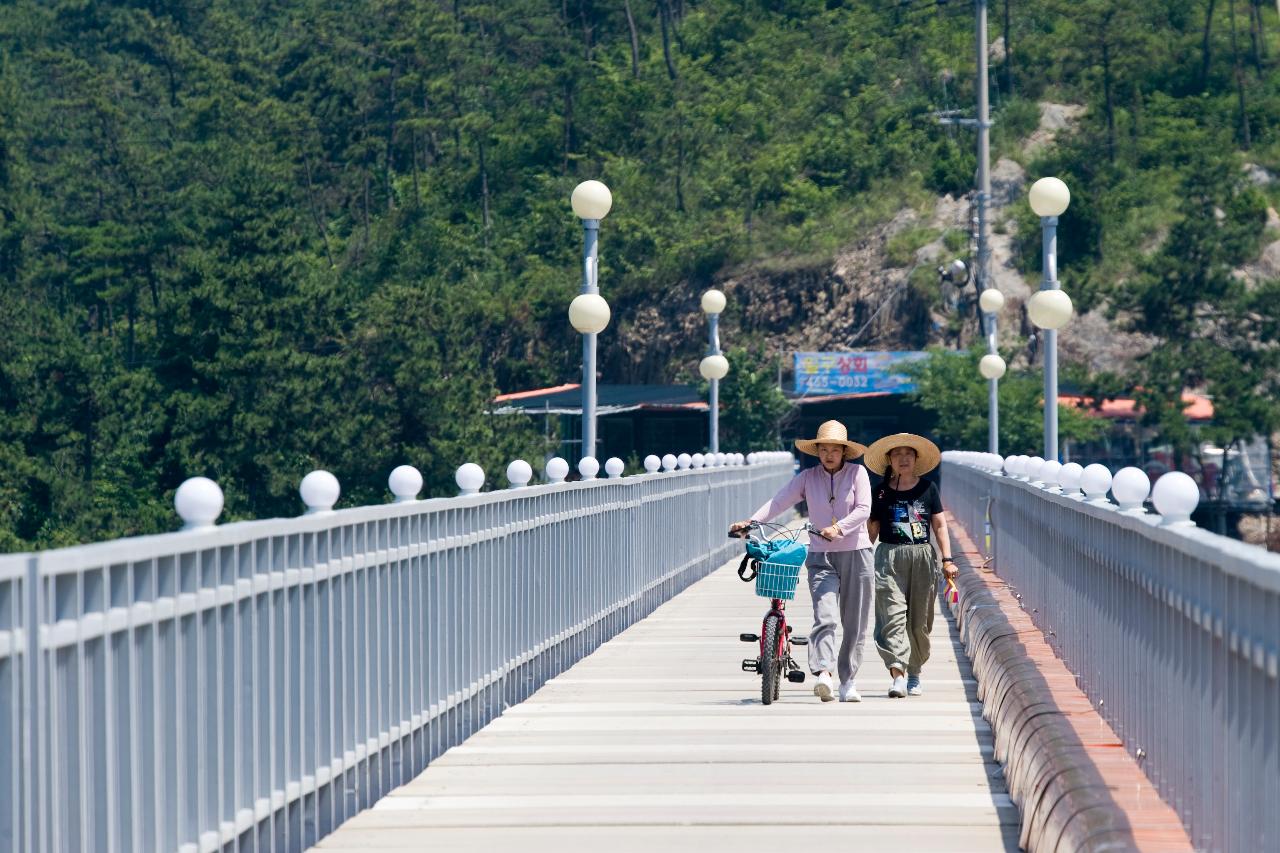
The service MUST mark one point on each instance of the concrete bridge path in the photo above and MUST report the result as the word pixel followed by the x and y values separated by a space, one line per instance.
pixel 658 741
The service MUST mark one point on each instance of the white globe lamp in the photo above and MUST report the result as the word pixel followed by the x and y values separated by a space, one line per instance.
pixel 1049 309
pixel 1176 496
pixel 1049 197
pixel 469 477
pixel 991 301
pixel 198 502
pixel 556 470
pixel 1069 477
pixel 319 491
pixel 591 200
pixel 991 366
pixel 1130 486
pixel 713 301
pixel 405 483
pixel 714 367
pixel 1095 481
pixel 519 473
pixel 589 313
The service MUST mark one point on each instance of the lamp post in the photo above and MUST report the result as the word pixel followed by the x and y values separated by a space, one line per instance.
pixel 589 312
pixel 714 366
pixel 1050 308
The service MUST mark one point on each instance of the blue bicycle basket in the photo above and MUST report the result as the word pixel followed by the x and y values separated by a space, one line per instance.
pixel 778 569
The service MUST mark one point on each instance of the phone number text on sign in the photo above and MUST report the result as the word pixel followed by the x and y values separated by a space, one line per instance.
pixel 853 372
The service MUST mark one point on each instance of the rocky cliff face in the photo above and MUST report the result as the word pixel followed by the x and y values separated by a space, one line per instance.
pixel 872 296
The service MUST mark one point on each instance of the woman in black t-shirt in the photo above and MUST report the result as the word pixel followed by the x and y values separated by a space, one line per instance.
pixel 907 515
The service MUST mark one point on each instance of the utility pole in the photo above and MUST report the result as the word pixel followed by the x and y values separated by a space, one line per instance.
pixel 981 272
pixel 981 267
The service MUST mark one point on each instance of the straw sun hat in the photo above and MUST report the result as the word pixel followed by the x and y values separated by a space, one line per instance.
pixel 831 432
pixel 927 454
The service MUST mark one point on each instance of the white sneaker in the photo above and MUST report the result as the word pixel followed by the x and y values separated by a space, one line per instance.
pixel 822 689
pixel 914 687
pixel 849 692
pixel 899 688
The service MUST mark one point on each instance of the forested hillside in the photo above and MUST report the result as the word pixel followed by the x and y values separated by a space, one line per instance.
pixel 245 239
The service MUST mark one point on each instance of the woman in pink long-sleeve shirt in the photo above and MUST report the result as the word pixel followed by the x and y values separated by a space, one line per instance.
pixel 841 571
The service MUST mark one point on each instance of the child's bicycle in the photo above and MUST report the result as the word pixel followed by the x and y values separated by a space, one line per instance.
pixel 773 561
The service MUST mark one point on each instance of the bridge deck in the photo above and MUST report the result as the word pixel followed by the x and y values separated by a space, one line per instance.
pixel 657 739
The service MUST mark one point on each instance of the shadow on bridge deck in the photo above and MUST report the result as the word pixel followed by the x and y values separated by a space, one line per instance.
pixel 659 740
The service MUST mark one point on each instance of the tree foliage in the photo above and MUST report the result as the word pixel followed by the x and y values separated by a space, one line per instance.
pixel 949 386
pixel 246 239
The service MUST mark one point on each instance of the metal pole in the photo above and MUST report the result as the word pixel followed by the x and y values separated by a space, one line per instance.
pixel 984 196
pixel 590 284
pixel 714 400
pixel 1049 234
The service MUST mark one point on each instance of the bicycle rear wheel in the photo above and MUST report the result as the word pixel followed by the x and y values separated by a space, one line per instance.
pixel 770 663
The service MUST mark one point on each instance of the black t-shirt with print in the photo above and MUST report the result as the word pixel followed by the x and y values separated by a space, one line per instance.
pixel 904 516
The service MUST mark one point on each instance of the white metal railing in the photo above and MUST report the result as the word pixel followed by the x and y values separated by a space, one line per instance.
pixel 1173 632
pixel 250 686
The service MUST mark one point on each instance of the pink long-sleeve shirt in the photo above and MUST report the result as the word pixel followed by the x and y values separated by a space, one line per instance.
pixel 843 499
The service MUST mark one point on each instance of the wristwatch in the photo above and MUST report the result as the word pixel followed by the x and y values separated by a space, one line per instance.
pixel 947 560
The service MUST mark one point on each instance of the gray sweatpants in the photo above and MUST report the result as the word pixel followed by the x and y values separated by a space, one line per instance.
pixel 842 586
pixel 906 588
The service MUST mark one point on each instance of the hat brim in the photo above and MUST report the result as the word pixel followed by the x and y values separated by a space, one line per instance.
pixel 852 450
pixel 928 456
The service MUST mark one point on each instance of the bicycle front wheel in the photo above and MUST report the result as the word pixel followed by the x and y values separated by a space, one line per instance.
pixel 770 662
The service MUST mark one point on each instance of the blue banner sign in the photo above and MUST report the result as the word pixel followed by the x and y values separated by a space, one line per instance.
pixel 854 372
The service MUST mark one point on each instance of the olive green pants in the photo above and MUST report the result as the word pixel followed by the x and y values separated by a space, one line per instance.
pixel 906 587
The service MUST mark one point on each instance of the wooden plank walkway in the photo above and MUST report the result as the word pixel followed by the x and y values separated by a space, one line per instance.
pixel 659 740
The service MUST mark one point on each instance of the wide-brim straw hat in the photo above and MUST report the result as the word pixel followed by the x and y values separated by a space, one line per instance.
pixel 927 454
pixel 831 432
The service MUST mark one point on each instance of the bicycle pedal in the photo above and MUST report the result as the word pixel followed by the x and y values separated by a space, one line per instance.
pixel 751 665
pixel 800 641
pixel 795 676
pixel 748 638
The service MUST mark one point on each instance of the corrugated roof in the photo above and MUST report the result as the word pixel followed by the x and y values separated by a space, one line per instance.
pixel 610 399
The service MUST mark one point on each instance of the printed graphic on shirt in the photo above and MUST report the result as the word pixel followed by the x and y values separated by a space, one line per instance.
pixel 907 523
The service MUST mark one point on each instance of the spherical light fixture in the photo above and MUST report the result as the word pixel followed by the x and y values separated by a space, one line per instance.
pixel 588 467
pixel 469 477
pixel 652 463
pixel 319 491
pixel 1069 477
pixel 714 367
pixel 1049 197
pixel 589 313
pixel 1049 309
pixel 991 366
pixel 1176 496
pixel 991 301
pixel 1034 464
pixel 698 460
pixel 405 483
pixel 683 461
pixel 591 200
pixel 1095 481
pixel 614 467
pixel 519 473
pixel 713 301
pixel 198 502
pixel 1130 486
pixel 556 470
pixel 669 462
pixel 1049 473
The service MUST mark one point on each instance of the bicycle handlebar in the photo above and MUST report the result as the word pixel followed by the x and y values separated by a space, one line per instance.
pixel 743 533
